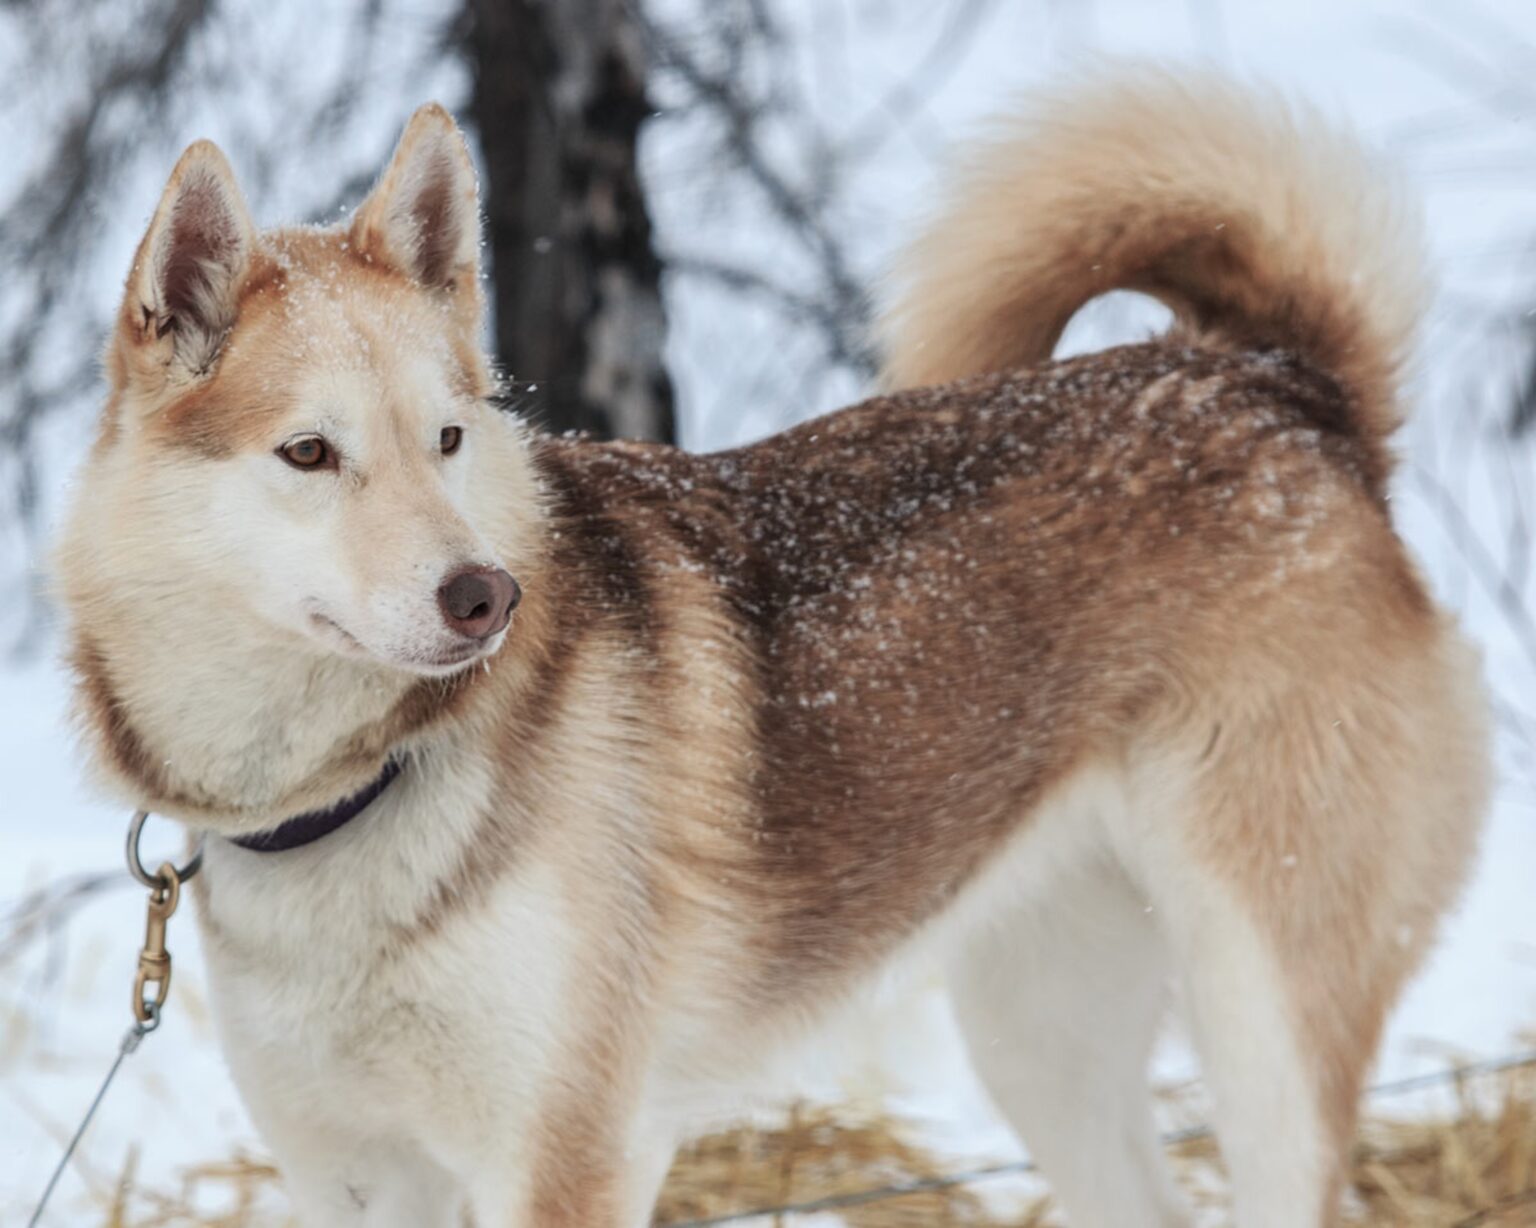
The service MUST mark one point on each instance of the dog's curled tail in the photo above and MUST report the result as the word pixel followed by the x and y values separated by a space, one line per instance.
pixel 1257 224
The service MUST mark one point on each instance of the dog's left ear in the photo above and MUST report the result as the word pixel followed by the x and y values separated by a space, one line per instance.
pixel 423 218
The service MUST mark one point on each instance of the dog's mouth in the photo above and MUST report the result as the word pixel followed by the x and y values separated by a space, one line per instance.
pixel 335 632
pixel 449 660
pixel 455 659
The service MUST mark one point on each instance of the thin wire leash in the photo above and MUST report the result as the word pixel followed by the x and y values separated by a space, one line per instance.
pixel 131 1041
pixel 151 984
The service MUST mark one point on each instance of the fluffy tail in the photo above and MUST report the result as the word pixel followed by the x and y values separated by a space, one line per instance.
pixel 1256 224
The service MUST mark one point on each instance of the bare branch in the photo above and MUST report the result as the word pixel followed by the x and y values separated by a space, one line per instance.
pixel 1496 582
pixel 50 908
pixel 798 205
pixel 914 88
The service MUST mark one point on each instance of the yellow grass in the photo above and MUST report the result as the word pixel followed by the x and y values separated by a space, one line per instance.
pixel 1473 1167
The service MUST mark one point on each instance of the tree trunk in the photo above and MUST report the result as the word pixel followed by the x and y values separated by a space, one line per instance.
pixel 1524 415
pixel 559 99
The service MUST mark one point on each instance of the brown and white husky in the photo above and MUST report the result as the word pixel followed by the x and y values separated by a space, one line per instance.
pixel 1075 676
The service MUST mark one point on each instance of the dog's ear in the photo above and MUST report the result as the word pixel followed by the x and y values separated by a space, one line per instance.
pixel 184 290
pixel 423 218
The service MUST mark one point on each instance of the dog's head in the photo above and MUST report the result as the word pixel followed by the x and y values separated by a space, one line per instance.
pixel 298 429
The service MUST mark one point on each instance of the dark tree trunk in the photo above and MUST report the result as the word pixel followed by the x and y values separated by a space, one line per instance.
pixel 559 99
pixel 1524 416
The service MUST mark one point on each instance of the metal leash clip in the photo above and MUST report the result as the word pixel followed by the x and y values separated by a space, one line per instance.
pixel 164 894
pixel 153 981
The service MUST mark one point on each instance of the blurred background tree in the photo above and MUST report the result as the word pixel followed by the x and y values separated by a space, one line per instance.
pixel 559 100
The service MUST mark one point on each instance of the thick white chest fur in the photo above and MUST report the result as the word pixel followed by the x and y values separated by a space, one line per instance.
pixel 352 1036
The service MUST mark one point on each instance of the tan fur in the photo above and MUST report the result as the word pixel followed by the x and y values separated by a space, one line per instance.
pixel 1055 675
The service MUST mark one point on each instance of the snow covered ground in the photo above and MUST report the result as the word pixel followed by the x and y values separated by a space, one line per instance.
pixel 1390 69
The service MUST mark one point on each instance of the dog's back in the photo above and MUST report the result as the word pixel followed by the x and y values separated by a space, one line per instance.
pixel 943 602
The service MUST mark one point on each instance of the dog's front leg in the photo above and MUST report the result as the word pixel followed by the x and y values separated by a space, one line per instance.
pixel 370 1184
pixel 339 1166
pixel 577 1175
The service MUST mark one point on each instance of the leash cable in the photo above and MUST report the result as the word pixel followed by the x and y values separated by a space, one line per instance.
pixel 131 1041
pixel 151 983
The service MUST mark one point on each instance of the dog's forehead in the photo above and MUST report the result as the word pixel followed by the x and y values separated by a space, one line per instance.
pixel 406 392
pixel 354 341
pixel 360 354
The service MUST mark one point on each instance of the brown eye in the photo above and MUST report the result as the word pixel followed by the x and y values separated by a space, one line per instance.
pixel 450 439
pixel 308 452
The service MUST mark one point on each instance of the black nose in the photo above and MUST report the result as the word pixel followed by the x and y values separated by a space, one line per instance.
pixel 478 601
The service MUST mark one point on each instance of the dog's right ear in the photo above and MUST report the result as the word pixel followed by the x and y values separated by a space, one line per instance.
pixel 184 289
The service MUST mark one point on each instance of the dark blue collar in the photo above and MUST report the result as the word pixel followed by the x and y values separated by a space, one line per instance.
pixel 307 828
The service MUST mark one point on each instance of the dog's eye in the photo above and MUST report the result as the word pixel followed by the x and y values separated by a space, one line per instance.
pixel 450 439
pixel 308 452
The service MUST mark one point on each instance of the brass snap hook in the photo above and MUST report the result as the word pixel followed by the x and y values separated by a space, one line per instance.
pixel 153 982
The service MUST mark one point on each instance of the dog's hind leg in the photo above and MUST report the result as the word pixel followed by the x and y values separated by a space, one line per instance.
pixel 1059 1005
pixel 1299 855
pixel 1274 1129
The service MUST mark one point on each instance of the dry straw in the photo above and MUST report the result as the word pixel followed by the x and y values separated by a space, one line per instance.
pixel 1474 1165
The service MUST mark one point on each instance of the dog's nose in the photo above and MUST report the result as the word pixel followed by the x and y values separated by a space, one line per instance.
pixel 478 601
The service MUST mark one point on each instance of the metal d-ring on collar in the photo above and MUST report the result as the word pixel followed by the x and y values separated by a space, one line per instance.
pixel 136 866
